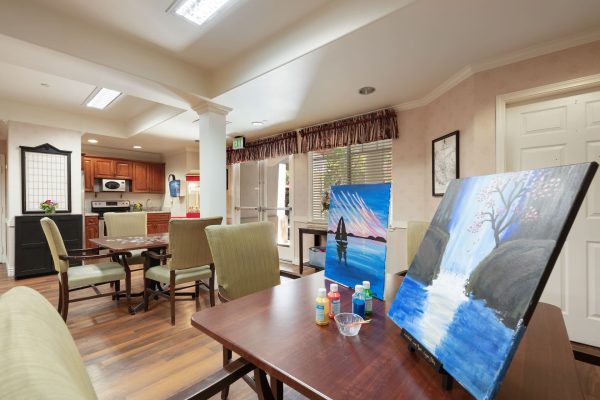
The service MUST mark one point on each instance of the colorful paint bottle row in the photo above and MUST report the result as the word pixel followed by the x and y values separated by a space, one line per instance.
pixel 328 305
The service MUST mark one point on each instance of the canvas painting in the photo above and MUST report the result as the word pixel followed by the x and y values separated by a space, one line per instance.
pixel 482 266
pixel 357 235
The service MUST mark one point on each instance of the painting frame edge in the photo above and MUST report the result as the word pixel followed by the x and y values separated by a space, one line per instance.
pixel 457 161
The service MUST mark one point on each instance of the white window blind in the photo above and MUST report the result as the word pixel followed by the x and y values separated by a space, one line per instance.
pixel 355 164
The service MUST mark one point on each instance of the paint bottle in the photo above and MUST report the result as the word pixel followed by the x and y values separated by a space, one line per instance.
pixel 358 301
pixel 334 300
pixel 322 308
pixel 368 299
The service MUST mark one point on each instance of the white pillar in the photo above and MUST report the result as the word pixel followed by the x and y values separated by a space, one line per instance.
pixel 213 166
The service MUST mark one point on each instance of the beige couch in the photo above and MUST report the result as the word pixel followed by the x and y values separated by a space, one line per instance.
pixel 39 359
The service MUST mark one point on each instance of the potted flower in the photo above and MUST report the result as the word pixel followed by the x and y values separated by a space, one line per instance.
pixel 49 206
pixel 325 202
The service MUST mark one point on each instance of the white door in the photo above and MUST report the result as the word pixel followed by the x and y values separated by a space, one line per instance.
pixel 2 209
pixel 562 131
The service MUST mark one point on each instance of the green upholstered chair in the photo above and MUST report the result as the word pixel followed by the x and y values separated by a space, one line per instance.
pixel 128 224
pixel 245 257
pixel 39 357
pixel 89 275
pixel 189 260
pixel 415 232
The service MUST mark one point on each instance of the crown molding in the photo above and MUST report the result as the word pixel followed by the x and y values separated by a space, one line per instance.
pixel 209 106
pixel 500 61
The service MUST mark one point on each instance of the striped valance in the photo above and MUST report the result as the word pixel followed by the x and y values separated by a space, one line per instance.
pixel 378 125
pixel 283 144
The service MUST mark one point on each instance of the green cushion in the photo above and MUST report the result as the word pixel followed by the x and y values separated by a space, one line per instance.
pixel 39 357
pixel 95 273
pixel 163 274
pixel 136 257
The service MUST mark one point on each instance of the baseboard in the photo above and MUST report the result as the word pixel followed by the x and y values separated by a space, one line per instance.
pixel 10 271
pixel 586 353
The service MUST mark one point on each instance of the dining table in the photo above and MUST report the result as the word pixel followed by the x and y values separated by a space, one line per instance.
pixel 153 241
pixel 275 330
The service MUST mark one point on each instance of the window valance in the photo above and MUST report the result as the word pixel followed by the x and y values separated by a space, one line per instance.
pixel 273 146
pixel 366 128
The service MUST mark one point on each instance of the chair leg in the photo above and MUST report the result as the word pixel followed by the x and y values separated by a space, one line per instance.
pixel 60 297
pixel 172 296
pixel 117 290
pixel 197 293
pixel 65 300
pixel 211 289
pixel 227 355
pixel 146 293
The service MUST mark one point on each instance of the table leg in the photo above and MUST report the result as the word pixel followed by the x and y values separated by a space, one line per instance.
pixel 276 388
pixel 262 385
pixel 301 254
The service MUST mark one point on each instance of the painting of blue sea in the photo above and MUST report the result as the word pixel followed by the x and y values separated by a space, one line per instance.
pixel 357 235
pixel 482 266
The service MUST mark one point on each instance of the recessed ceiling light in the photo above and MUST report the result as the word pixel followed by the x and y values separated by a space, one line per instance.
pixel 44 84
pixel 92 141
pixel 366 90
pixel 100 98
pixel 196 11
pixel 137 146
pixel 258 123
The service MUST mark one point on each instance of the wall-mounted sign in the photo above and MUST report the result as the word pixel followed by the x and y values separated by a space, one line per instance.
pixel 239 142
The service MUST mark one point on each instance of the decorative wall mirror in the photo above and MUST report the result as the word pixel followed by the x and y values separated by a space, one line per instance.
pixel 45 175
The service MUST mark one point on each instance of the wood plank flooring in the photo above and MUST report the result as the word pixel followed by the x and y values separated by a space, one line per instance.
pixel 143 357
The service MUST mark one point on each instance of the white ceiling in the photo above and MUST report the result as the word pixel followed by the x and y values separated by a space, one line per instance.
pixel 150 143
pixel 405 54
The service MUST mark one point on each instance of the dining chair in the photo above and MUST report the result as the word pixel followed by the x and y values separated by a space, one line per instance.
pixel 128 224
pixel 246 260
pixel 188 260
pixel 89 275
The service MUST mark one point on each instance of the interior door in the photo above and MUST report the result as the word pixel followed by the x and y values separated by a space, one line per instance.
pixel 276 202
pixel 562 131
pixel 249 192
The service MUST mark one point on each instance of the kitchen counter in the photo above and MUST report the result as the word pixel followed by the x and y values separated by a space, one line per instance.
pixel 90 214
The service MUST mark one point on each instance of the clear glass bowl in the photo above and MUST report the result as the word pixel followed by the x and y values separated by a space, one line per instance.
pixel 347 323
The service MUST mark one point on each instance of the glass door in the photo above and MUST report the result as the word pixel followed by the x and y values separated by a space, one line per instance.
pixel 276 209
pixel 250 192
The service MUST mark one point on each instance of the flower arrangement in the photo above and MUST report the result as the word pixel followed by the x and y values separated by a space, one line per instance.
pixel 325 201
pixel 49 206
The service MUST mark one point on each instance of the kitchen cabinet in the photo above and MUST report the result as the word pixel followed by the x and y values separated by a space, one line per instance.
pixel 88 173
pixel 139 182
pixel 104 168
pixel 92 230
pixel 123 169
pixel 158 222
pixel 156 178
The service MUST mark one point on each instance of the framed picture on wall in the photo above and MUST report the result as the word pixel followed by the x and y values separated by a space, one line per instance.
pixel 444 162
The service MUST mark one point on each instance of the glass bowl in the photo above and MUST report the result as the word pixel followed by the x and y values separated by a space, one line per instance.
pixel 347 323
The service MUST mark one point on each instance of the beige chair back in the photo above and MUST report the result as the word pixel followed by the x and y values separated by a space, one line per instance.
pixel 245 257
pixel 415 233
pixel 56 244
pixel 188 244
pixel 126 224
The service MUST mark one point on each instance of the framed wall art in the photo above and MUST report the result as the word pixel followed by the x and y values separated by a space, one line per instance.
pixel 444 162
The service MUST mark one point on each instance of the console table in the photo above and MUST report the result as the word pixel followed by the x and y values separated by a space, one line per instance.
pixel 318 232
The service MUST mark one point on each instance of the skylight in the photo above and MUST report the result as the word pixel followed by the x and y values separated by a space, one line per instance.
pixel 197 11
pixel 100 99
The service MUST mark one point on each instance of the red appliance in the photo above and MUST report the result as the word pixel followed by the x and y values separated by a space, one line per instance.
pixel 192 198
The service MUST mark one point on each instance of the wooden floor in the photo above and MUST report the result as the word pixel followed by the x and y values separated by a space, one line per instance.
pixel 143 357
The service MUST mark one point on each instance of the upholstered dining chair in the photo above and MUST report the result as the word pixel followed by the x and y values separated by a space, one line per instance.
pixel 128 224
pixel 188 260
pixel 88 275
pixel 415 232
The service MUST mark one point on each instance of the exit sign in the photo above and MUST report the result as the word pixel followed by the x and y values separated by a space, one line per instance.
pixel 238 142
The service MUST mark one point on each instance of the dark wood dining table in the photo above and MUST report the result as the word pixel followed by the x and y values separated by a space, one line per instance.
pixel 275 330
pixel 154 241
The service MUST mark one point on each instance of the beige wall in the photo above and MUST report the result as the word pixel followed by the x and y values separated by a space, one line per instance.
pixel 469 107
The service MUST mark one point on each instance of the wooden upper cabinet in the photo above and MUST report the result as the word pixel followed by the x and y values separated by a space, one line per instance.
pixel 123 169
pixel 139 181
pixel 104 168
pixel 88 173
pixel 156 178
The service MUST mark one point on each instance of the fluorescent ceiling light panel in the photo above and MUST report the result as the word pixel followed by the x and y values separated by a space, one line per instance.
pixel 100 99
pixel 197 11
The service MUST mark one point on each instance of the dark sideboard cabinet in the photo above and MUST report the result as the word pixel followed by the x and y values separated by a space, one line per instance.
pixel 32 254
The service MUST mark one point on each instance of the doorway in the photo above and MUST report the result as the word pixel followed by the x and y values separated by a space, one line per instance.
pixel 554 131
pixel 265 194
pixel 2 208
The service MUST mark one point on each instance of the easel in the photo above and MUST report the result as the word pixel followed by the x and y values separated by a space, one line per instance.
pixel 415 346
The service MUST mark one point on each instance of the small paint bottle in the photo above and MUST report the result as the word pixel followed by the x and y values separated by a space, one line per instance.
pixel 358 301
pixel 322 308
pixel 334 300
pixel 368 299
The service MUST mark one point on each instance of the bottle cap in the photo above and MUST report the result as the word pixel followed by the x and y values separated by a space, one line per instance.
pixel 358 288
pixel 322 292
pixel 333 287
pixel 366 284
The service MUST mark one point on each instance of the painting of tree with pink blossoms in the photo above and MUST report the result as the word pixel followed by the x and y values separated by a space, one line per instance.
pixel 482 266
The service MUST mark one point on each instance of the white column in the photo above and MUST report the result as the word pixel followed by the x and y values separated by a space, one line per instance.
pixel 211 125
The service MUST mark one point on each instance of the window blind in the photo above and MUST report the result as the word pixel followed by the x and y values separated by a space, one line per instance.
pixel 355 164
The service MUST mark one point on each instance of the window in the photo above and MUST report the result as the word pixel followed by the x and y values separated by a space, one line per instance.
pixel 355 164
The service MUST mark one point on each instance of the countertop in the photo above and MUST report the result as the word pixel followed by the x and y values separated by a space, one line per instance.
pixel 93 214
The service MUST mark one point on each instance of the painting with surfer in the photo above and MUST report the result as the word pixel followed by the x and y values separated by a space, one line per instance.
pixel 357 235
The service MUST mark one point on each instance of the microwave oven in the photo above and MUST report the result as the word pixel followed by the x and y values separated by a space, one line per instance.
pixel 113 185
